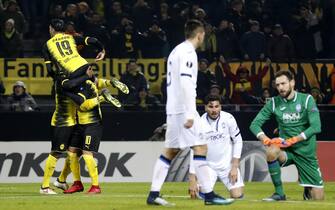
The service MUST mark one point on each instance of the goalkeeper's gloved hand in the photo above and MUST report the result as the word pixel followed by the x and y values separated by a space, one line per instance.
pixel 289 142
pixel 266 141
pixel 277 141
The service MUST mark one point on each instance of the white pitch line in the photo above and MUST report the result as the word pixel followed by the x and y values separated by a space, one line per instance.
pixel 61 196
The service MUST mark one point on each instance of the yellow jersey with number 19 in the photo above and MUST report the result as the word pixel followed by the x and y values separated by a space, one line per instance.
pixel 63 49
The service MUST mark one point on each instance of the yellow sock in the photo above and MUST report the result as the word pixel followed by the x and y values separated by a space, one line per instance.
pixel 89 104
pixel 49 170
pixel 74 165
pixel 66 170
pixel 92 168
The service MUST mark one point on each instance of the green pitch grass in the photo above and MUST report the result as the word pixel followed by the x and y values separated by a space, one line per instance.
pixel 132 196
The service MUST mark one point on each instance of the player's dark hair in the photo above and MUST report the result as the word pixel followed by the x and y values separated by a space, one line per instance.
pixel 191 28
pixel 210 98
pixel 286 73
pixel 57 24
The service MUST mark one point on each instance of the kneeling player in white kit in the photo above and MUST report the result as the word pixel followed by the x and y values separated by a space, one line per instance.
pixel 182 117
pixel 224 149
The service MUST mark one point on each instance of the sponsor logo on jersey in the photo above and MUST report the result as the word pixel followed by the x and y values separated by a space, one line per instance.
pixel 216 137
pixel 298 107
pixel 291 117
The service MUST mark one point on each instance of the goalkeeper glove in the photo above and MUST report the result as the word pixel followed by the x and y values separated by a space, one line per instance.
pixel 289 142
pixel 266 141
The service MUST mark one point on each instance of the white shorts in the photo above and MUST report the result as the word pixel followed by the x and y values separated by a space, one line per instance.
pixel 223 175
pixel 177 136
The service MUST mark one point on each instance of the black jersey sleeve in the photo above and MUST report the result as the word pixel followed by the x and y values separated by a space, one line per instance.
pixel 80 40
pixel 48 61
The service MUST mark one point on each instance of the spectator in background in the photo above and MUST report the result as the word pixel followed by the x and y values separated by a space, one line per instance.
pixel 115 16
pixel 251 99
pixel 71 15
pixel 317 95
pixel 227 41
pixel 332 86
pixel 209 47
pixel 12 11
pixel 217 91
pixel 56 12
pixel 165 21
pixel 307 37
pixel 95 28
pixel 20 100
pixel 10 41
pixel 154 41
pixel 135 81
pixel 205 79
pixel 142 15
pixel 146 101
pixel 267 31
pixel 253 43
pixel 243 80
pixel 85 14
pixel 280 47
pixel 237 17
pixel 127 41
pixel 201 15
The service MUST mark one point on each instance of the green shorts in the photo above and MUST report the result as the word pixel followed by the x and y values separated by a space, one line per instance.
pixel 308 169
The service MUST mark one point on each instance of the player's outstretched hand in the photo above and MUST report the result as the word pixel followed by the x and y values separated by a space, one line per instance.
pixel 189 123
pixel 100 56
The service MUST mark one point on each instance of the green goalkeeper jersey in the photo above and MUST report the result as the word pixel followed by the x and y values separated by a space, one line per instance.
pixel 299 115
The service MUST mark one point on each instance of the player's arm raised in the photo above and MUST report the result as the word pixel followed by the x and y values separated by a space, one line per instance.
pixel 92 41
pixel 187 64
pixel 263 116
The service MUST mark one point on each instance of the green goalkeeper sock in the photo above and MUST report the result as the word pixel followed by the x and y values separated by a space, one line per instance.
pixel 275 173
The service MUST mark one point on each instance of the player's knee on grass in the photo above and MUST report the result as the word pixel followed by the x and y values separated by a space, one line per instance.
pixel 317 193
pixel 236 193
pixel 200 150
pixel 170 153
pixel 272 153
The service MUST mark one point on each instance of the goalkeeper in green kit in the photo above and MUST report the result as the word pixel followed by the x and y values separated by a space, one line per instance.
pixel 298 122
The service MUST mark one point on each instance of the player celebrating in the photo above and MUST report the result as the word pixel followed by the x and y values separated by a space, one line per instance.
pixel 182 117
pixel 71 68
pixel 224 149
pixel 298 121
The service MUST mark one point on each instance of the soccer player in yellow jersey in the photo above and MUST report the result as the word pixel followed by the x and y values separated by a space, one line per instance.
pixel 86 137
pixel 61 49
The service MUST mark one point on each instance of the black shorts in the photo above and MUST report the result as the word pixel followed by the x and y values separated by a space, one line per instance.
pixel 61 138
pixel 76 137
pixel 88 137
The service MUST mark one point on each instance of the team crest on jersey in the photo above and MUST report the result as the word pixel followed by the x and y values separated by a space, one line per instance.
pixel 291 117
pixel 298 107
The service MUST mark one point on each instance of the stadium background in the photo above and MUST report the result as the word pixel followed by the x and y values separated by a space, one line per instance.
pixel 24 136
